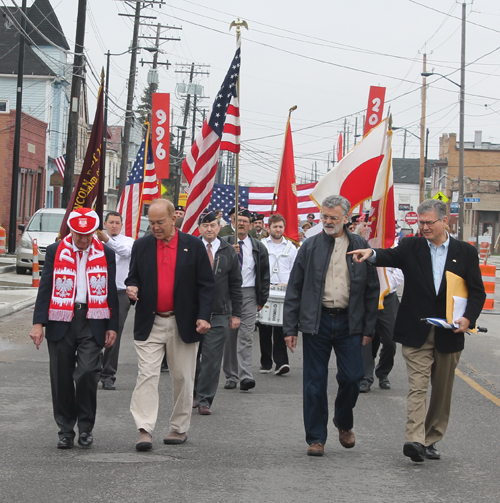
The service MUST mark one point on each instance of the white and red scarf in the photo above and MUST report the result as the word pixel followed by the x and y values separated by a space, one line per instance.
pixel 62 302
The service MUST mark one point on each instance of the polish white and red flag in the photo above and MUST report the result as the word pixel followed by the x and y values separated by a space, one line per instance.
pixel 381 218
pixel 221 131
pixel 354 176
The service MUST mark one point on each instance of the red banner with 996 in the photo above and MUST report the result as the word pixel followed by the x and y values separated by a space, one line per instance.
pixel 375 108
pixel 161 134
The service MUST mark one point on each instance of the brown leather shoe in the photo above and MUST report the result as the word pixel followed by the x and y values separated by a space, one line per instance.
pixel 204 410
pixel 346 438
pixel 316 449
pixel 175 438
pixel 145 442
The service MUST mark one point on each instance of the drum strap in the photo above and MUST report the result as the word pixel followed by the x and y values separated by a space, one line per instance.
pixel 275 269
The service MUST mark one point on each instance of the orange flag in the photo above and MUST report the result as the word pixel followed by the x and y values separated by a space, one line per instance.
pixel 286 189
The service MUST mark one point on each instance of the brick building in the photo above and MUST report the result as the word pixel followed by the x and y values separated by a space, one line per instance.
pixel 482 181
pixel 32 158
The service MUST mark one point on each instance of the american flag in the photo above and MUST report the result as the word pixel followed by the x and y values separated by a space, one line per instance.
pixel 221 131
pixel 259 200
pixel 139 190
pixel 60 163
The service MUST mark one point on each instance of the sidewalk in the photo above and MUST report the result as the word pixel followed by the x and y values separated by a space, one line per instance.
pixel 16 291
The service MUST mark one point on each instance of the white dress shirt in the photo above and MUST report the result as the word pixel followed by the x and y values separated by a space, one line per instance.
pixel 81 277
pixel 122 246
pixel 215 245
pixel 248 268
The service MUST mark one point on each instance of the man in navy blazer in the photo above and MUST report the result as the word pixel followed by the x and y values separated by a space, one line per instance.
pixel 79 321
pixel 430 353
pixel 172 283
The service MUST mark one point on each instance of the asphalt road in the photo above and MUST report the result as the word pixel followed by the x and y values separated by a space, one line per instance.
pixel 252 448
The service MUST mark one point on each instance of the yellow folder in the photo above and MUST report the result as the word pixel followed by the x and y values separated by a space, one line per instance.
pixel 455 287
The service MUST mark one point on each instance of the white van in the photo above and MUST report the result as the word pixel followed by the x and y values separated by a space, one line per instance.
pixel 44 227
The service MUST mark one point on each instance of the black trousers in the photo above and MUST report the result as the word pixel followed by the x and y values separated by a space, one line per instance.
pixel 272 346
pixel 75 364
pixel 384 330
pixel 110 357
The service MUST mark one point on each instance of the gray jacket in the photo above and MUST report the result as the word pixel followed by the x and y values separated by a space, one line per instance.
pixel 228 296
pixel 304 295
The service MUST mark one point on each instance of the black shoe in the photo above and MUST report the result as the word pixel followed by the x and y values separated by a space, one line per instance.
pixel 384 383
pixel 364 387
pixel 431 452
pixel 230 385
pixel 415 451
pixel 85 439
pixel 247 384
pixel 282 369
pixel 65 443
pixel 108 386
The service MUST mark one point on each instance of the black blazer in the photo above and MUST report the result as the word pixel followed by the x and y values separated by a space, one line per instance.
pixel 419 300
pixel 194 286
pixel 56 330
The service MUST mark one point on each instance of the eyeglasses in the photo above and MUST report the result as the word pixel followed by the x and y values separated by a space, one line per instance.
pixel 429 224
pixel 328 217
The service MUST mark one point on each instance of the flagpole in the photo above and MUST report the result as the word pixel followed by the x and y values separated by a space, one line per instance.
pixel 238 24
pixel 278 176
pixel 146 146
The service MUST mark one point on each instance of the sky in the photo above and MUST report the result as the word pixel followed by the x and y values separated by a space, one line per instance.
pixel 321 56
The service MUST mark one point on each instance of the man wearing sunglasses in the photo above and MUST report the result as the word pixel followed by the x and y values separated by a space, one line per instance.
pixel 431 354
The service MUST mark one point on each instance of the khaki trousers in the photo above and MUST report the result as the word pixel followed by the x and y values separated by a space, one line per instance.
pixel 181 358
pixel 428 425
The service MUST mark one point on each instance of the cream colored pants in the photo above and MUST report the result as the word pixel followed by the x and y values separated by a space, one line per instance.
pixel 428 425
pixel 181 359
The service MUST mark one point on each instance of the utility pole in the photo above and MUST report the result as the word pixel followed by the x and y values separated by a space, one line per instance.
pixel 129 114
pixel 17 137
pixel 422 131
pixel 461 146
pixel 76 87
pixel 192 72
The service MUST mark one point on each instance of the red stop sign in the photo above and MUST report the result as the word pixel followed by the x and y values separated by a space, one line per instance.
pixel 411 218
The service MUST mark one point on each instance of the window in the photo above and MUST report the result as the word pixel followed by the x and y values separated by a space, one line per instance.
pixel 4 106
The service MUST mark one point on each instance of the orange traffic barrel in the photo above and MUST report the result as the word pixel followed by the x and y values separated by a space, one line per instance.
pixel 484 252
pixel 2 241
pixel 488 274
pixel 36 271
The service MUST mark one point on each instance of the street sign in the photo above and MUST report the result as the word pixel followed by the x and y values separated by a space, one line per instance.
pixel 472 200
pixel 441 197
pixel 453 208
pixel 411 218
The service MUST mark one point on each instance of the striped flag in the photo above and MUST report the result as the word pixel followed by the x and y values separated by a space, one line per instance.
pixel 141 188
pixel 259 200
pixel 60 163
pixel 221 131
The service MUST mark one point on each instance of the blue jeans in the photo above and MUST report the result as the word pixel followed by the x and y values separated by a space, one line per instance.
pixel 333 333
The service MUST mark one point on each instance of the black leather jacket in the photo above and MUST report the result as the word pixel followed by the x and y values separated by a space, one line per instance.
pixel 228 297
pixel 304 294
pixel 262 277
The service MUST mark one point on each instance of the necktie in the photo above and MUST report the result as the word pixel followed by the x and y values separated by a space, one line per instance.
pixel 240 255
pixel 210 255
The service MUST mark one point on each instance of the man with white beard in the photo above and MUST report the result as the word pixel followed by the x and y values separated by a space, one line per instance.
pixel 334 303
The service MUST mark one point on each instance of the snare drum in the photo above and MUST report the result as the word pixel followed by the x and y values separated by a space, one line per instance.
pixel 272 312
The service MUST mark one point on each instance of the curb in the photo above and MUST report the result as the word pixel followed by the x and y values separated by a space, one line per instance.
pixel 9 308
pixel 7 268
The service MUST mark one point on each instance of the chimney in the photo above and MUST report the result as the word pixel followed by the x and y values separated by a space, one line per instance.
pixel 478 140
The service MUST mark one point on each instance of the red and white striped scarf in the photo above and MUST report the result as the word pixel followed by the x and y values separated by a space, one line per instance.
pixel 62 302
